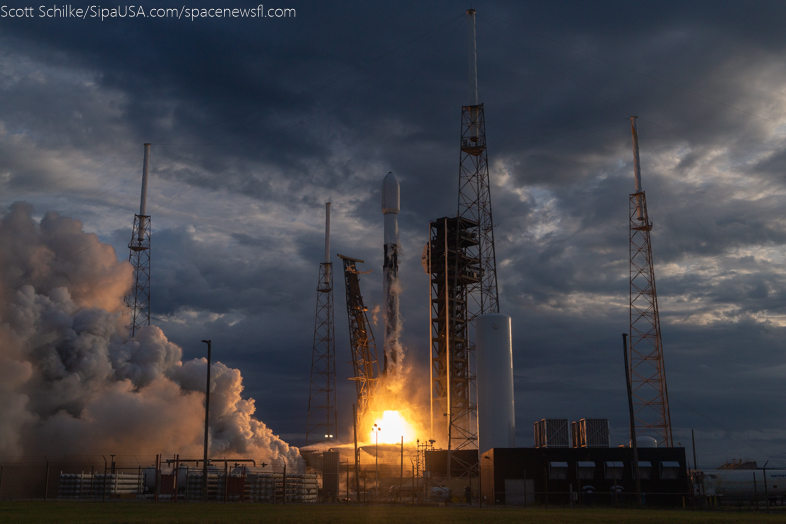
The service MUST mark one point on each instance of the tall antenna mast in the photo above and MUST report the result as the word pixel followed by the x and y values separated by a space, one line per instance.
pixel 647 371
pixel 473 58
pixel 138 300
pixel 322 414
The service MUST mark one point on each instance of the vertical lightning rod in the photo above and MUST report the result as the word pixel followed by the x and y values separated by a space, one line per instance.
pixel 473 58
pixel 634 129
pixel 143 197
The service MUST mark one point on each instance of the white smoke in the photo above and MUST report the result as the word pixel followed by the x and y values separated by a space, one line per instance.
pixel 71 381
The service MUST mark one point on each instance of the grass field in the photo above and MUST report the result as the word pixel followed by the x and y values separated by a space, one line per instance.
pixel 122 512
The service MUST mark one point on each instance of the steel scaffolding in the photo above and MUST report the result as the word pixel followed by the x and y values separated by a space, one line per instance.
pixel 463 270
pixel 361 338
pixel 452 272
pixel 474 204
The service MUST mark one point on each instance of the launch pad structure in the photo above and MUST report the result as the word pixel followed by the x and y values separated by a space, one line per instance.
pixel 463 278
pixel 647 370
pixel 322 413
pixel 361 338
pixel 138 300
pixel 452 271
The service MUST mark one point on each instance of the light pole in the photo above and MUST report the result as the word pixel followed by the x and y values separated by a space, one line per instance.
pixel 207 416
pixel 376 429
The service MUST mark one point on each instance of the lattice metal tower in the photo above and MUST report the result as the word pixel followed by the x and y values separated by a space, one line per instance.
pixel 138 300
pixel 322 415
pixel 361 338
pixel 474 201
pixel 452 272
pixel 647 371
pixel 474 273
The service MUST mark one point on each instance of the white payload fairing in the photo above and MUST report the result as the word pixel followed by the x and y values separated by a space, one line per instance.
pixel 391 204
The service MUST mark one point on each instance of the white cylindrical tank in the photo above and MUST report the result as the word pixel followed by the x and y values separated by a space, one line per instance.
pixel 740 482
pixel 496 413
pixel 645 442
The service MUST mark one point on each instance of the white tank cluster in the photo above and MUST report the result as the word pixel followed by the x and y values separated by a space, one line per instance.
pixel 744 482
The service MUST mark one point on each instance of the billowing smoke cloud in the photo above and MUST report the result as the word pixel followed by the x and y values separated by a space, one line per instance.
pixel 71 381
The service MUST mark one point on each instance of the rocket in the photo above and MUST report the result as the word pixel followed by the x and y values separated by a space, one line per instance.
pixel 391 203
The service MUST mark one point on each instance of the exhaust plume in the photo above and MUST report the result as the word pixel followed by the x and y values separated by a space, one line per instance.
pixel 72 382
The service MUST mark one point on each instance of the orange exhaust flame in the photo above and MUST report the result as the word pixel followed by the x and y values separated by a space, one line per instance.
pixel 391 427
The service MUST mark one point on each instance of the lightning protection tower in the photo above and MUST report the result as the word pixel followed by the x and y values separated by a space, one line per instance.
pixel 322 415
pixel 647 371
pixel 138 300
pixel 361 338
pixel 474 201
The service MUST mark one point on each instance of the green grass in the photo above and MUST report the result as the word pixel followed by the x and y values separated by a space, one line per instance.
pixel 138 512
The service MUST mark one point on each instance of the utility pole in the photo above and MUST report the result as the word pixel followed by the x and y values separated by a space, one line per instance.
pixel 357 471
pixel 401 479
pixel 207 419
pixel 633 442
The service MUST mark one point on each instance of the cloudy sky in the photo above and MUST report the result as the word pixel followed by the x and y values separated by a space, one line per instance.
pixel 255 123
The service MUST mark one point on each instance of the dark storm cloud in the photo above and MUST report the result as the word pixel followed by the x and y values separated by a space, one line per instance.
pixel 267 120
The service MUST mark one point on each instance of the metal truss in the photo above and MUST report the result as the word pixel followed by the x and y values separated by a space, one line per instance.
pixel 470 286
pixel 361 338
pixel 647 371
pixel 453 271
pixel 322 415
pixel 138 300
pixel 474 204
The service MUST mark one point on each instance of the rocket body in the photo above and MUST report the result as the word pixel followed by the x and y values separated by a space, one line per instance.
pixel 391 203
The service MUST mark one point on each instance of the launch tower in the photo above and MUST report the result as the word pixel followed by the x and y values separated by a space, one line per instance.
pixel 322 414
pixel 647 371
pixel 361 338
pixel 463 271
pixel 452 272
